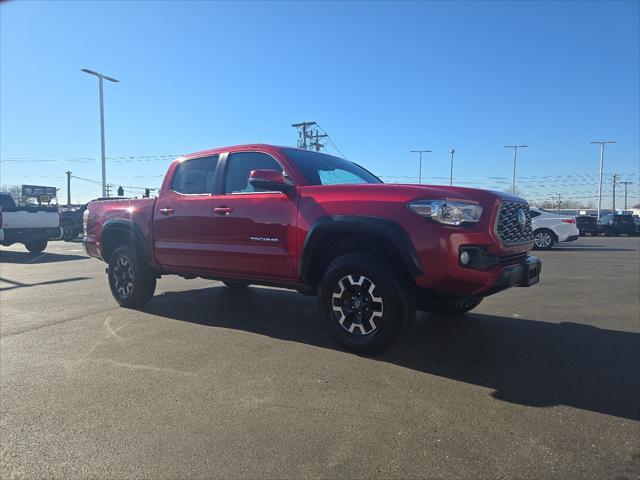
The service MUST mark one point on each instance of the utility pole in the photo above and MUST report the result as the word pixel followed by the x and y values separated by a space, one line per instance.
pixel 452 152
pixel 69 188
pixel 420 152
pixel 303 133
pixel 107 190
pixel 601 142
pixel 625 193
pixel 515 153
pixel 558 207
pixel 101 77
pixel 315 140
pixel 614 181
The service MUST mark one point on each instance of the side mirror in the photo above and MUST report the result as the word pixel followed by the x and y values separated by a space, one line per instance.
pixel 270 180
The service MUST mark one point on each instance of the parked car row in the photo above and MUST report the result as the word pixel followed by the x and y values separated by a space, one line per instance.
pixel 617 224
pixel 610 224
pixel 550 228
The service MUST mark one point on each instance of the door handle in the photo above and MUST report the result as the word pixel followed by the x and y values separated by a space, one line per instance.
pixel 166 211
pixel 223 210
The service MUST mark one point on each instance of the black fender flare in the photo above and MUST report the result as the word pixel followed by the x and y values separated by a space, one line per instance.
pixel 132 229
pixel 381 227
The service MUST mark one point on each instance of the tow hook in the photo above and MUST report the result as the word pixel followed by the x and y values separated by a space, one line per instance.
pixel 106 270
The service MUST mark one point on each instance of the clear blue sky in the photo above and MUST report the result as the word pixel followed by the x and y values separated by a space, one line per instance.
pixel 381 78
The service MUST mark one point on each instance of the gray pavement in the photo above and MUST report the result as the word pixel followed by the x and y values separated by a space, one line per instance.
pixel 541 382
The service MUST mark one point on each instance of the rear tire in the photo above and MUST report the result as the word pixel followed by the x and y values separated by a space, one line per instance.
pixel 364 305
pixel 131 280
pixel 452 305
pixel 68 232
pixel 543 239
pixel 36 246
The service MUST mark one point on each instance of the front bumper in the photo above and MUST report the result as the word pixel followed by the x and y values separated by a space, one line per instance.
pixel 524 274
pixel 91 246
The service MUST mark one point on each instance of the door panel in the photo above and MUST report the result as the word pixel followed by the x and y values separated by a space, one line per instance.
pixel 254 231
pixel 255 238
pixel 183 217
pixel 183 235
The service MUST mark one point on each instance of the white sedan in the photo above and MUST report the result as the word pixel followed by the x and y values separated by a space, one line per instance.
pixel 550 228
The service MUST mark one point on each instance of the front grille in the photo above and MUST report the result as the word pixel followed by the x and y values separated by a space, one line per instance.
pixel 509 229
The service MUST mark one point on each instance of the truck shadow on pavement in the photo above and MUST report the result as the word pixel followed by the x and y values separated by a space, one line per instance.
pixel 528 362
pixel 10 256
pixel 589 248
pixel 15 284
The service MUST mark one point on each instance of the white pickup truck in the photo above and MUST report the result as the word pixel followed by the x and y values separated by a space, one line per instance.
pixel 32 226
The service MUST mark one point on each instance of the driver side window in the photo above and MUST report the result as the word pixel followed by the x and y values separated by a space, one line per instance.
pixel 239 167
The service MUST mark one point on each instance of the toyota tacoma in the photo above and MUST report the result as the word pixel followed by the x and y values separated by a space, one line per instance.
pixel 373 253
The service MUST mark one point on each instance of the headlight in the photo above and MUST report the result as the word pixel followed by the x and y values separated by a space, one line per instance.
pixel 448 213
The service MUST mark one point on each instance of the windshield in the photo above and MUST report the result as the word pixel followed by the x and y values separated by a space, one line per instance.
pixel 322 169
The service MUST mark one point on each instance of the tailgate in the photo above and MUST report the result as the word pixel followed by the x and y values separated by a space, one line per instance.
pixel 23 219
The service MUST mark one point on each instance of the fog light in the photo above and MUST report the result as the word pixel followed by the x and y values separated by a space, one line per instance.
pixel 464 257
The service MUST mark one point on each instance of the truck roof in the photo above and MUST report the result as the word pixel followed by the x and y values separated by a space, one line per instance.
pixel 235 148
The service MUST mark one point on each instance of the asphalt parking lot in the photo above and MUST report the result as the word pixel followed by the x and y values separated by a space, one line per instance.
pixel 541 382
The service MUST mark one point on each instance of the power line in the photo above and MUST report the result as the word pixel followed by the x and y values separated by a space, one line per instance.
pixel 332 142
pixel 112 184
pixel 85 159
pixel 625 193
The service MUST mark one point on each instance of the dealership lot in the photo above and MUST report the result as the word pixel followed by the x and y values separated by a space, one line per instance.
pixel 206 381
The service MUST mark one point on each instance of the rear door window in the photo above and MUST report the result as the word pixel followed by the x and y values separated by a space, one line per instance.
pixel 195 177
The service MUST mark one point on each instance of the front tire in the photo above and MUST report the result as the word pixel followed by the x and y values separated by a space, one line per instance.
pixel 543 239
pixel 131 280
pixel 364 305
pixel 36 246
pixel 452 305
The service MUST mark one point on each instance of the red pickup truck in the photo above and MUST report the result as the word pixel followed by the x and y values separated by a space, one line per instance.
pixel 322 225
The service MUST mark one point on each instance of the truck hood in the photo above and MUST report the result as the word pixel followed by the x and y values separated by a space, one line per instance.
pixel 409 192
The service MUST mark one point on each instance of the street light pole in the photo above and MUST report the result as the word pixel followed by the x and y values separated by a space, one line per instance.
pixel 452 152
pixel 625 193
pixel 515 153
pixel 601 142
pixel 420 152
pixel 68 188
pixel 101 77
